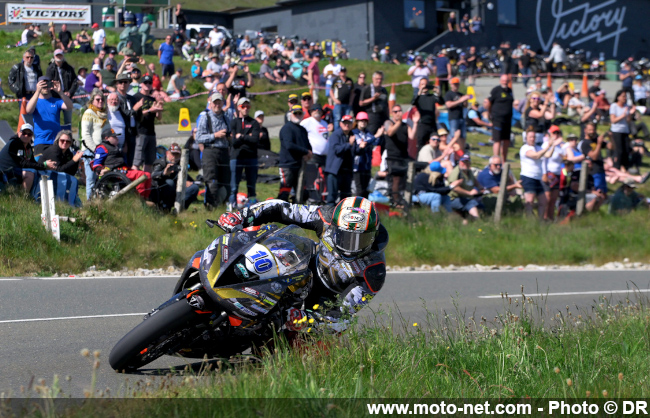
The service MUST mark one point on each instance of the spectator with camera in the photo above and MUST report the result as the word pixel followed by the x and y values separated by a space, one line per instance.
pixel 245 139
pixel 532 171
pixel 61 71
pixel 46 111
pixel 165 175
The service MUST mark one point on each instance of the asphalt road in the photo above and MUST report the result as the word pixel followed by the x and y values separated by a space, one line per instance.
pixel 45 323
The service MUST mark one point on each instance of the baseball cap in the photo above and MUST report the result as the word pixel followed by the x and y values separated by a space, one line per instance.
pixel 259 113
pixel 362 116
pixel 344 69
pixel 435 166
pixel 455 80
pixel 58 52
pixel 296 109
pixel 26 127
pixel 44 78
pixel 123 77
pixel 108 133
pixel 112 51
pixel 174 148
pixel 305 94
pixel 315 106
pixel 147 79
pixel 442 131
pixel 95 67
pixel 465 158
pixel 95 26
pixel 347 118
pixel 554 128
pixel 571 137
pixel 293 97
pixel 216 96
pixel 312 44
pixel 243 101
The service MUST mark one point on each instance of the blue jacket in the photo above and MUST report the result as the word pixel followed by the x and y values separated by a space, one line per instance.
pixel 363 161
pixel 340 154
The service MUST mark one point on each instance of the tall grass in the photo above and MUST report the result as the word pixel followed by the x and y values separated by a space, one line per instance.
pixel 524 353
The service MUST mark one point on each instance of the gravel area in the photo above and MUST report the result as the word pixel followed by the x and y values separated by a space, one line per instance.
pixel 176 271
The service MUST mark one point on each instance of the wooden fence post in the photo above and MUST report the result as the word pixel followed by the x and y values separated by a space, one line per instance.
pixel 179 205
pixel 130 186
pixel 582 189
pixel 410 177
pixel 501 196
pixel 301 183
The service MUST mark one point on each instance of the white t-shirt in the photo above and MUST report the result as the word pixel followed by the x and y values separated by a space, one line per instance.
pixel 31 78
pixel 555 163
pixel 214 67
pixel 216 37
pixel 23 37
pixel 330 71
pixel 317 132
pixel 418 74
pixel 529 167
pixel 621 126
pixel 117 124
pixel 98 36
pixel 278 47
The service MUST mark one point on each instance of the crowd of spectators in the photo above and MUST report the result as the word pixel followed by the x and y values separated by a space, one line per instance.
pixel 335 128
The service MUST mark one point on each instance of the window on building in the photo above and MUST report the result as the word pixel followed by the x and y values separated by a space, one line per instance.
pixel 414 14
pixel 507 12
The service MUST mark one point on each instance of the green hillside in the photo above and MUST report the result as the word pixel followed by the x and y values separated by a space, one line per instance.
pixel 218 5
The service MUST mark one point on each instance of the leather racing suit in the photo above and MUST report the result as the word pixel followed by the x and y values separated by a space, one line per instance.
pixel 346 284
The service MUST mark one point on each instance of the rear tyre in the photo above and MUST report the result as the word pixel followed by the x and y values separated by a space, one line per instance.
pixel 146 342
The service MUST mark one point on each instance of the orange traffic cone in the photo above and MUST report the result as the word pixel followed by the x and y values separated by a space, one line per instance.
pixel 549 81
pixel 23 111
pixel 585 87
pixel 392 97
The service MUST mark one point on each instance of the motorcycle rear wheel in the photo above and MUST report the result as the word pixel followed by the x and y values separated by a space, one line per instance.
pixel 142 344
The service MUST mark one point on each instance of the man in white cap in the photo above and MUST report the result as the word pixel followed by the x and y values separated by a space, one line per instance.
pixel 59 70
pixel 213 133
pixel 94 79
pixel 17 156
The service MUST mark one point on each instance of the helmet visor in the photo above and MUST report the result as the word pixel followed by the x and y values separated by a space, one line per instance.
pixel 351 242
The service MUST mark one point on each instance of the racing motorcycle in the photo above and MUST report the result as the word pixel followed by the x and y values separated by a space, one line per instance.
pixel 230 297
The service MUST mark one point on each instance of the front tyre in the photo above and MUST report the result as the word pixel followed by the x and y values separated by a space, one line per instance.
pixel 153 337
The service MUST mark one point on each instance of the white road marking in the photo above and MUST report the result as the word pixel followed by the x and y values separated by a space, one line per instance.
pixel 9 280
pixel 590 292
pixel 11 321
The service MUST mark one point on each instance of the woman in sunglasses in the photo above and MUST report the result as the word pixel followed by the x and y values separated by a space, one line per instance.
pixel 93 122
pixel 60 152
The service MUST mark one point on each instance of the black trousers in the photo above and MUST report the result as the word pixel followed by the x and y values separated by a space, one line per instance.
pixel 621 150
pixel 423 133
pixel 288 181
pixel 216 174
pixel 361 181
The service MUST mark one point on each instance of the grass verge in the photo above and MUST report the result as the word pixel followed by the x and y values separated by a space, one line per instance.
pixel 126 234
pixel 522 355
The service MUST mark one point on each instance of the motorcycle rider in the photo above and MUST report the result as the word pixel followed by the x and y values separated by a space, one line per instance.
pixel 349 267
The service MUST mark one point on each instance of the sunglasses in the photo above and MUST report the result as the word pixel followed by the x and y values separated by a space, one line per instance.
pixel 99 99
pixel 534 98
pixel 245 106
pixel 306 98
pixel 27 133
pixel 123 81
pixel 397 111
pixel 298 113
pixel 497 165
pixel 147 82
pixel 65 141
pixel 29 57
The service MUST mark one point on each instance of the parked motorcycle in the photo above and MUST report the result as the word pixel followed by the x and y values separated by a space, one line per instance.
pixel 231 297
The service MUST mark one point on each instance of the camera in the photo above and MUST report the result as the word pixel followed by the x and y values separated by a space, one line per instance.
pixel 429 86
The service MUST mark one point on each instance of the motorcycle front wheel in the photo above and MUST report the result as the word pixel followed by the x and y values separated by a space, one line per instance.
pixel 152 338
